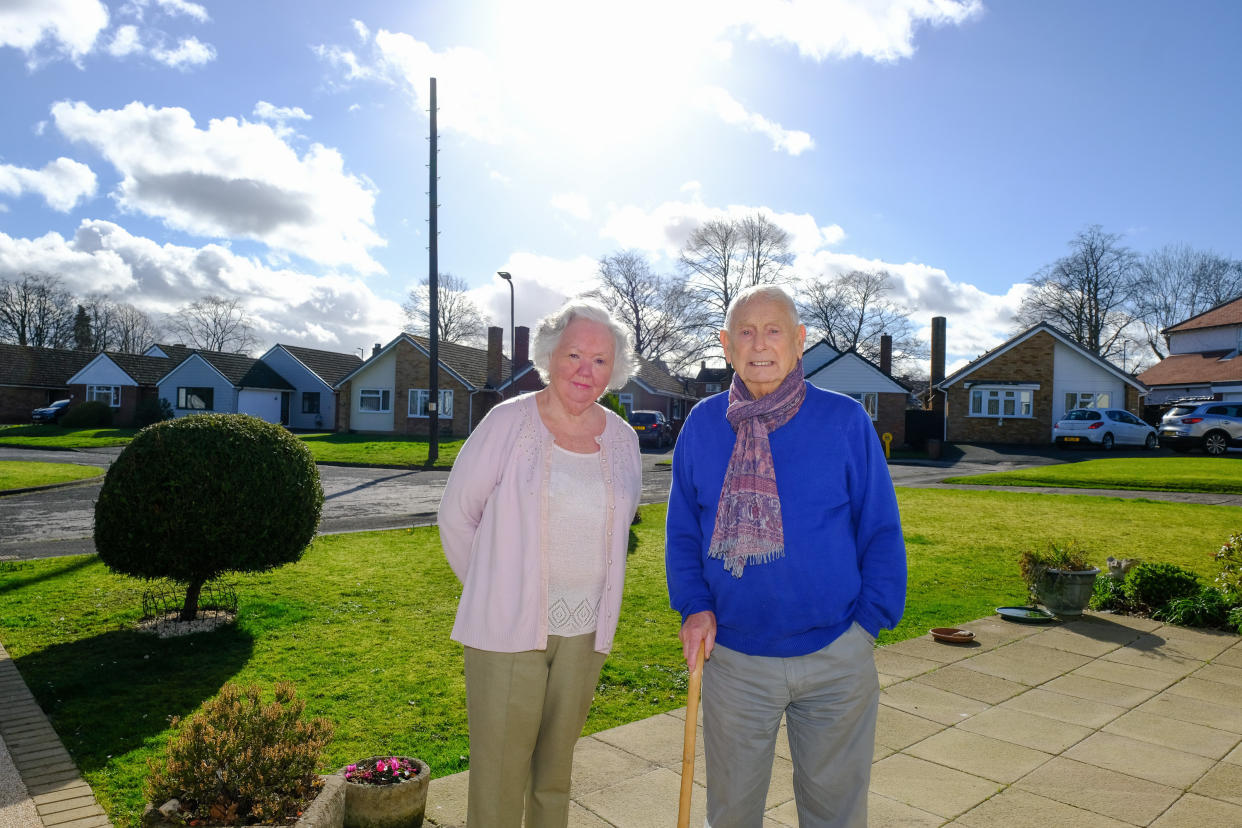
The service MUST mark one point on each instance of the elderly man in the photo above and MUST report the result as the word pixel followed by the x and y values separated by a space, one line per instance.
pixel 784 557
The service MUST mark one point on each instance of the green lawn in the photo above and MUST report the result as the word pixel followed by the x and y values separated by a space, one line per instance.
pixel 55 437
pixel 19 474
pixel 362 623
pixel 1163 474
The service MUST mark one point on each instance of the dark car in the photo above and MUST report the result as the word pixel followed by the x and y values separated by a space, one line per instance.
pixel 653 429
pixel 50 414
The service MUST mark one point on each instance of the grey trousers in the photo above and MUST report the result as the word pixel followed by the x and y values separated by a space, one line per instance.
pixel 829 699
pixel 526 711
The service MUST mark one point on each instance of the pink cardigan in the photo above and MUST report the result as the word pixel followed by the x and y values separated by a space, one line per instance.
pixel 493 527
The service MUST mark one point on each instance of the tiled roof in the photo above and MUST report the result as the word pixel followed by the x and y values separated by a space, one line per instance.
pixel 26 366
pixel 244 371
pixel 145 370
pixel 175 352
pixel 467 361
pixel 659 379
pixel 1184 369
pixel 1229 313
pixel 713 374
pixel 329 366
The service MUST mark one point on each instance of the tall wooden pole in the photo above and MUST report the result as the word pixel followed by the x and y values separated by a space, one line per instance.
pixel 433 283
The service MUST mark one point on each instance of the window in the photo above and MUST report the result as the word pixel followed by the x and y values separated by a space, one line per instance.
pixel 1085 399
pixel 627 402
pixel 310 402
pixel 676 409
pixel 375 399
pixel 1000 402
pixel 870 400
pixel 418 402
pixel 711 388
pixel 195 399
pixel 107 394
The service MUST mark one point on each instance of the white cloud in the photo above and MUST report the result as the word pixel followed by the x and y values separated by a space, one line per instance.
pixel 270 112
pixel 125 41
pixel 65 27
pixel 541 284
pixel 575 204
pixel 233 179
pixel 62 182
pixel 360 28
pixel 183 7
pixel 729 110
pixel 334 311
pixel 189 52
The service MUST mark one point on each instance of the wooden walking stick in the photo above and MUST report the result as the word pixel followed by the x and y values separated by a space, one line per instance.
pixel 687 746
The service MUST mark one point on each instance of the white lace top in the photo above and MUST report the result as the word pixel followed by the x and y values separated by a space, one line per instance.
pixel 577 556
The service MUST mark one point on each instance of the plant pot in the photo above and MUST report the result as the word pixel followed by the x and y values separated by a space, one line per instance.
pixel 400 805
pixel 327 810
pixel 1066 593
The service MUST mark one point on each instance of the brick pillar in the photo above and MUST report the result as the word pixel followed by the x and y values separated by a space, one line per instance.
pixel 886 354
pixel 521 347
pixel 494 337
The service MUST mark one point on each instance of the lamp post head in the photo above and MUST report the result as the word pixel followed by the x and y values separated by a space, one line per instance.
pixel 504 274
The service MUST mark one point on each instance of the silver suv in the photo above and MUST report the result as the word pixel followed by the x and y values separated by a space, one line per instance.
pixel 1212 426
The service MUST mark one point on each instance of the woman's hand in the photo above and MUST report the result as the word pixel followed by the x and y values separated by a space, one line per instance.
pixel 701 626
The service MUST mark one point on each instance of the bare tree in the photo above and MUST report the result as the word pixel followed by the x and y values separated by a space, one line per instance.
pixel 134 330
pixel 214 323
pixel 852 311
pixel 658 310
pixel 1087 293
pixel 1177 282
pixel 460 319
pixel 35 310
pixel 723 256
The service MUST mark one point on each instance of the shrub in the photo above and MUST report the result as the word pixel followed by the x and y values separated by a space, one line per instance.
pixel 613 403
pixel 151 410
pixel 1229 559
pixel 1153 585
pixel 1108 594
pixel 238 760
pixel 89 414
pixel 1206 608
pixel 192 498
pixel 1234 620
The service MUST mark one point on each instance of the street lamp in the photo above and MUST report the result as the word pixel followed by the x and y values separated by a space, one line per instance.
pixel 508 277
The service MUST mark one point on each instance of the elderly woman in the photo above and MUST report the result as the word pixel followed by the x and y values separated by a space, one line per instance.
pixel 784 556
pixel 535 522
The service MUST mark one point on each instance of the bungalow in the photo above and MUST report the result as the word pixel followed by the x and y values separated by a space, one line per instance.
pixel 710 381
pixel 1203 358
pixel 1015 392
pixel 120 381
pixel 210 381
pixel 313 375
pixel 653 388
pixel 32 378
pixel 884 398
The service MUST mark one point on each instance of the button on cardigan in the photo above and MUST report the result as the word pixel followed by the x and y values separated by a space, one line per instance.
pixel 494 527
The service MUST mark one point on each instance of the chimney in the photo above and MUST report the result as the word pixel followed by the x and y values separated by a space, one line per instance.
pixel 494 337
pixel 937 349
pixel 376 348
pixel 521 347
pixel 886 354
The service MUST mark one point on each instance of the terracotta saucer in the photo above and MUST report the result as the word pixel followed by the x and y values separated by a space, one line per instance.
pixel 953 635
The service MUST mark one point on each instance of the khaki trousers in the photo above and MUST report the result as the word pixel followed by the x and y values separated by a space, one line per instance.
pixel 526 711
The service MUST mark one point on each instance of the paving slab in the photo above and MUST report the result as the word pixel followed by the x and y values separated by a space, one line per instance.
pixel 1219 712
pixel 897 729
pixel 883 812
pixel 1193 811
pixel 1172 733
pixel 1028 729
pixel 1014 808
pixel 932 703
pixel 1231 657
pixel 928 786
pixel 1221 673
pixel 954 678
pixel 1064 708
pixel 979 755
pixel 1126 674
pixel 1222 782
pixel 1099 790
pixel 1145 760
pixel 1027 663
pixel 1210 691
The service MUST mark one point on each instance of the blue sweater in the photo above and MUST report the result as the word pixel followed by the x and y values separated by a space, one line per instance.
pixel 844 560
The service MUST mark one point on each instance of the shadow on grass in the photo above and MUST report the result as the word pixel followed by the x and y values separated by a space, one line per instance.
pixel 11 584
pixel 109 694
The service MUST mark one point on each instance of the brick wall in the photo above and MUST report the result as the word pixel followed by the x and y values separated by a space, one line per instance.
pixel 1030 361
pixel 17 403
pixel 891 417
pixel 413 371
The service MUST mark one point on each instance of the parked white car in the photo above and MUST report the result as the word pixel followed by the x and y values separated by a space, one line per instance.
pixel 1103 427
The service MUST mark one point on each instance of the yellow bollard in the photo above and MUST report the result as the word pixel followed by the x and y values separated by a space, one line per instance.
pixel 887 437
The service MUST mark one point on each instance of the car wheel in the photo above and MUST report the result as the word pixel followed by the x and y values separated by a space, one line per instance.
pixel 1215 443
pixel 1106 442
pixel 1150 442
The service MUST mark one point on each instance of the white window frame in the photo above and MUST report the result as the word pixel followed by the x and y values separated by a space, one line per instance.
pixel 870 401
pixel 183 397
pixel 1086 399
pixel 110 394
pixel 1022 398
pixel 711 388
pixel 382 397
pixel 677 414
pixel 627 402
pixel 416 406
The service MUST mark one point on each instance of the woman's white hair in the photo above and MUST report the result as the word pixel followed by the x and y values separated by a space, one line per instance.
pixel 772 293
pixel 549 330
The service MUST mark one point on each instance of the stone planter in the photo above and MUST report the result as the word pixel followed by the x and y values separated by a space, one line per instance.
pixel 327 810
pixel 387 806
pixel 1065 592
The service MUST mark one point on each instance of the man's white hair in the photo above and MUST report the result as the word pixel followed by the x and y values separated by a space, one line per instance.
pixel 773 293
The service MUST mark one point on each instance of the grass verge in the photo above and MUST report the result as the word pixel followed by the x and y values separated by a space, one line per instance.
pixel 1222 475
pixel 55 437
pixel 20 474
pixel 361 625
pixel 380 449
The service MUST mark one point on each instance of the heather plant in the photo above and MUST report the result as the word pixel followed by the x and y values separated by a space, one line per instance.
pixel 240 761
pixel 1229 558
pixel 1152 585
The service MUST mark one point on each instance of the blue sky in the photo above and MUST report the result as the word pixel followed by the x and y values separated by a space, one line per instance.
pixel 159 150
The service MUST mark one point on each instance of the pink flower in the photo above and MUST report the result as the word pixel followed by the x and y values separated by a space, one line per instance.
pixel 380 766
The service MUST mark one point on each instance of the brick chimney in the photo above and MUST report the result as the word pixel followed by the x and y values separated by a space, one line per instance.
pixel 375 349
pixel 494 337
pixel 521 347
pixel 937 362
pixel 886 354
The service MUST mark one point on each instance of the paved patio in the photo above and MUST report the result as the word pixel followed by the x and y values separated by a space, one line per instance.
pixel 1107 721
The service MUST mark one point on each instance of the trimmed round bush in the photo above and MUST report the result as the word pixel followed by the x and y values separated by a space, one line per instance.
pixel 1155 584
pixel 192 498
pixel 89 414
